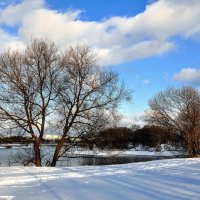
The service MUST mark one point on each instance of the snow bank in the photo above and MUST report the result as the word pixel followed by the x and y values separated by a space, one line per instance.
pixel 161 179
pixel 165 150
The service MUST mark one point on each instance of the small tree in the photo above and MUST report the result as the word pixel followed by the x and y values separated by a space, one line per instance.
pixel 42 89
pixel 178 110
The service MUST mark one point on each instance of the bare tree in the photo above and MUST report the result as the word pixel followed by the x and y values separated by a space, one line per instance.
pixel 88 91
pixel 27 88
pixel 42 88
pixel 178 110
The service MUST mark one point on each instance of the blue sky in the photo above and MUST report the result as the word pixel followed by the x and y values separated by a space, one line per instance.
pixel 151 44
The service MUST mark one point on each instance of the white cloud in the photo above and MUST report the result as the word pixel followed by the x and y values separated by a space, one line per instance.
pixel 8 41
pixel 117 39
pixel 191 75
pixel 14 14
pixel 136 119
pixel 146 82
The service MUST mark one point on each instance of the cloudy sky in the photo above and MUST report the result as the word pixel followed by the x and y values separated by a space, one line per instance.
pixel 151 44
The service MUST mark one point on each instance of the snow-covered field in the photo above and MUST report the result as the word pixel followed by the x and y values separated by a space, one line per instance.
pixel 161 179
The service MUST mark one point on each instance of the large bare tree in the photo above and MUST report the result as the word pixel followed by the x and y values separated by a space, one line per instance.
pixel 88 93
pixel 178 110
pixel 45 89
pixel 27 88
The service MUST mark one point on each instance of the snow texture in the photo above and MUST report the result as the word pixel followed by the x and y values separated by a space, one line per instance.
pixel 161 179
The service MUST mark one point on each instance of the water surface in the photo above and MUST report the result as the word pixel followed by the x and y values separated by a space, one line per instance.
pixel 8 156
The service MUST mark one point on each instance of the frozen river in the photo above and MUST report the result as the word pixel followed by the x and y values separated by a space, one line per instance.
pixel 8 156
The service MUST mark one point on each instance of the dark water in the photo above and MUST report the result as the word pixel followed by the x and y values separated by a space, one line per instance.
pixel 111 160
pixel 7 156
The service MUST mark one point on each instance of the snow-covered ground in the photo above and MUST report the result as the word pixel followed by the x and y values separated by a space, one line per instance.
pixel 161 179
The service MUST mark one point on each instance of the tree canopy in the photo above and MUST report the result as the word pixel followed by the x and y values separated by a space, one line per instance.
pixel 178 111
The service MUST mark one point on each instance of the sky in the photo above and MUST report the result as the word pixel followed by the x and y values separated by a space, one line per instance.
pixel 151 44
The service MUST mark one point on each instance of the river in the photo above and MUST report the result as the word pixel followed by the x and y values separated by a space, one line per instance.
pixel 8 156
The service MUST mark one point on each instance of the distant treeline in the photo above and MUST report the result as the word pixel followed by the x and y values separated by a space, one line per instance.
pixel 15 139
pixel 125 138
pixel 115 138
pixel 21 140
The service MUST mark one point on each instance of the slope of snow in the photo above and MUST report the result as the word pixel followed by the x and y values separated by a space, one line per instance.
pixel 161 179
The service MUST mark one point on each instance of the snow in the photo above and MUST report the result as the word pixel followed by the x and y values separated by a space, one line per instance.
pixel 160 179
pixel 125 152
pixel 165 150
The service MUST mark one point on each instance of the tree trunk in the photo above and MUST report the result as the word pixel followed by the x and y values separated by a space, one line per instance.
pixel 57 151
pixel 36 147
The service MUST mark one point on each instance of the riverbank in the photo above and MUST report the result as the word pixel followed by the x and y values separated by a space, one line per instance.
pixel 164 150
pixel 161 179
pixel 81 157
